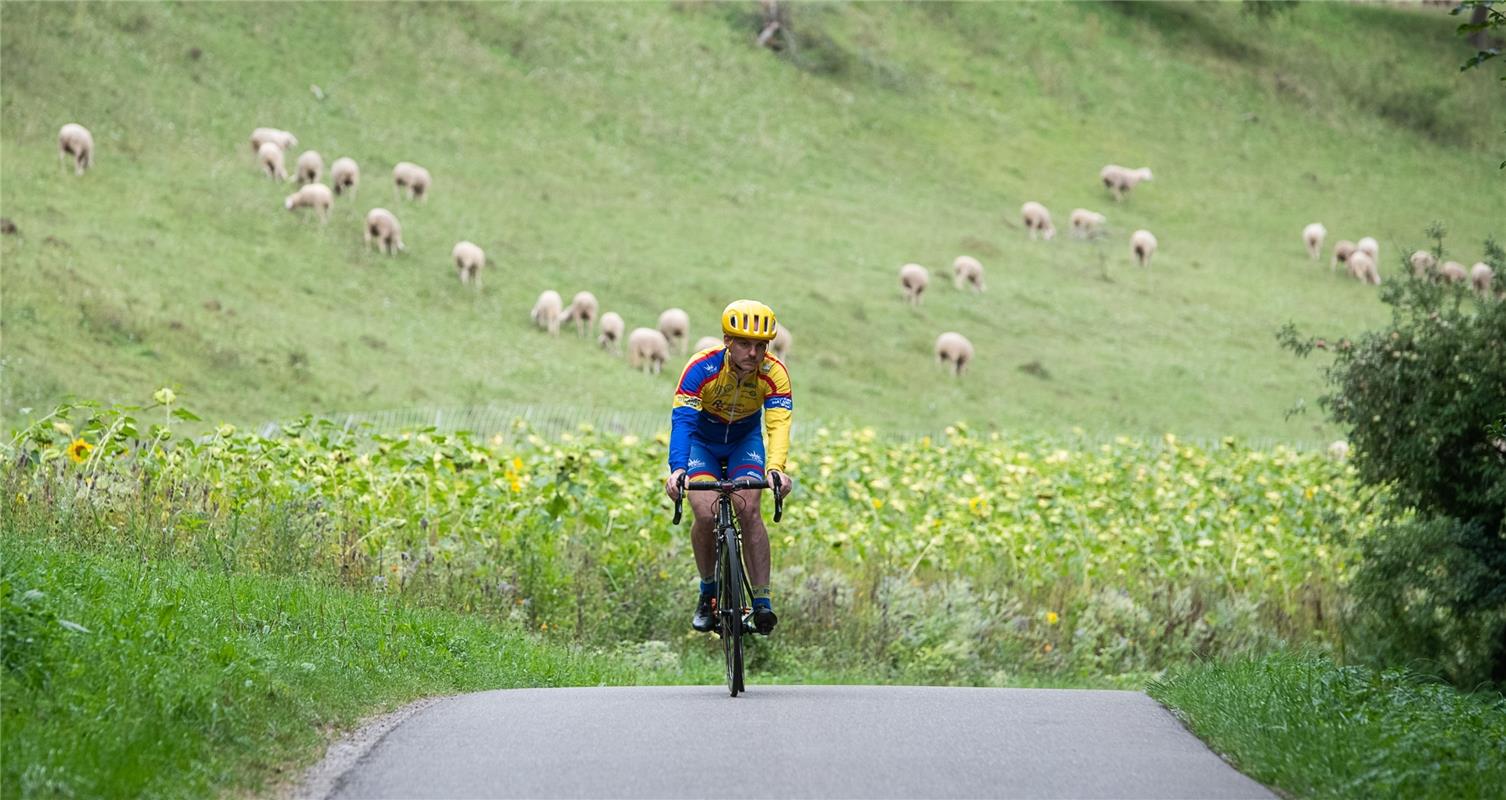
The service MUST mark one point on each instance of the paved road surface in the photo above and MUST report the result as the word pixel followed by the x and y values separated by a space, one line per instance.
pixel 794 741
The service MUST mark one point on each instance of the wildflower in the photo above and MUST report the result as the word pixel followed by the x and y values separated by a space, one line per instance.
pixel 62 427
pixel 877 504
pixel 164 396
pixel 1047 647
pixel 1052 618
pixel 79 451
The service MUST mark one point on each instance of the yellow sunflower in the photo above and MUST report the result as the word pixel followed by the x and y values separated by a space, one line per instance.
pixel 79 451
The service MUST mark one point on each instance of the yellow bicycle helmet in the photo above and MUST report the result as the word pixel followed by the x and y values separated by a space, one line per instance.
pixel 749 319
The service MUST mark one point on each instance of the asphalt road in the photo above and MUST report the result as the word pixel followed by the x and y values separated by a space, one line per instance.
pixel 793 741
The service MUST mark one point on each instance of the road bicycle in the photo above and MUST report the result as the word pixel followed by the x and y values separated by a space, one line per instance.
pixel 734 594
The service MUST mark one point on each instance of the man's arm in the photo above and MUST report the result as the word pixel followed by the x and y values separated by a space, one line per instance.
pixel 778 407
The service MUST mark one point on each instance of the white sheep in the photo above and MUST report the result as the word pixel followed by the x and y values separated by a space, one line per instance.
pixel 1119 180
pixel 967 271
pixel 1369 245
pixel 583 311
pixel 281 138
pixel 1362 267
pixel 1480 276
pixel 1422 263
pixel 344 176
pixel 706 343
pixel 76 143
pixel 647 350
pixel 1342 250
pixel 469 258
pixel 913 279
pixel 412 180
pixel 1453 272
pixel 314 195
pixel 270 158
pixel 1086 224
pixel 1338 450
pixel 1313 236
pixel 1037 220
pixel 546 311
pixel 611 331
pixel 1143 246
pixel 674 323
pixel 782 342
pixel 954 350
pixel 309 168
pixel 383 228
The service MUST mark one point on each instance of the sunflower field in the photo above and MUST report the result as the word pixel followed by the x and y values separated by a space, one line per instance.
pixel 965 558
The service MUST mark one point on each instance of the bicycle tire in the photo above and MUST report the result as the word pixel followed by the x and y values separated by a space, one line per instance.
pixel 731 610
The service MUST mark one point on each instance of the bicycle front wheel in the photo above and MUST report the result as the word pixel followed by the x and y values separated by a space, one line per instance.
pixel 730 608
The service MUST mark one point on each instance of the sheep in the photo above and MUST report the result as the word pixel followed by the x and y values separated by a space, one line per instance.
pixel 546 311
pixel 1119 180
pixel 281 138
pixel 344 175
pixel 1085 223
pixel 383 228
pixel 1338 450
pixel 270 158
pixel 75 141
pixel 674 323
pixel 1342 250
pixel 1362 267
pixel 706 343
pixel 411 179
pixel 611 331
pixel 309 168
pixel 780 347
pixel 1453 272
pixel 647 350
pixel 967 271
pixel 1037 220
pixel 955 350
pixel 314 195
pixel 469 259
pixel 1369 245
pixel 1422 263
pixel 1480 276
pixel 1143 246
pixel 583 310
pixel 1313 236
pixel 913 279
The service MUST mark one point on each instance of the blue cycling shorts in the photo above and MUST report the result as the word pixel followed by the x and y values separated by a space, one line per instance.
pixel 739 458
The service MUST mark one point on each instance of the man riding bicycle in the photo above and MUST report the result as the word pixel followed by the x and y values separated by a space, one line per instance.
pixel 723 395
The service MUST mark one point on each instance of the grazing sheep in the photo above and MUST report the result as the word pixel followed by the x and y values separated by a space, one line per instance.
pixel 1119 180
pixel 1143 246
pixel 1085 223
pixel 967 271
pixel 281 138
pixel 309 168
pixel 411 179
pixel 583 310
pixel 955 350
pixel 1338 450
pixel 1362 267
pixel 469 259
pixel 706 343
pixel 1480 276
pixel 674 323
pixel 270 158
pixel 1453 272
pixel 383 228
pixel 913 279
pixel 1037 220
pixel 611 331
pixel 647 350
pixel 1313 236
pixel 1370 246
pixel 1342 250
pixel 1423 263
pixel 314 195
pixel 75 142
pixel 546 312
pixel 344 175
pixel 780 347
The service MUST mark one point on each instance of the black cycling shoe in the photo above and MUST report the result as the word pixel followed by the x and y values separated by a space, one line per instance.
pixel 705 614
pixel 764 620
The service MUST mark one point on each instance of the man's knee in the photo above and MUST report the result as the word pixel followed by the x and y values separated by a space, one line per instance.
pixel 748 512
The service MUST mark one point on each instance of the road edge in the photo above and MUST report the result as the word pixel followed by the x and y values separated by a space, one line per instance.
pixel 320 780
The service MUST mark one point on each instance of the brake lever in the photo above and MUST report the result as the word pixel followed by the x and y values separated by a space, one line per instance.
pixel 778 499
pixel 678 502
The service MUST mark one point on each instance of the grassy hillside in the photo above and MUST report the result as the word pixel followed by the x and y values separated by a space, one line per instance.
pixel 651 154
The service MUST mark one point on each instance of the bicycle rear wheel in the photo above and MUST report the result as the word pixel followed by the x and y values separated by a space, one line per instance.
pixel 730 608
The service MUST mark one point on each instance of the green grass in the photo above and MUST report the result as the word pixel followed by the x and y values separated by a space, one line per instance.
pixel 127 678
pixel 649 153
pixel 1314 729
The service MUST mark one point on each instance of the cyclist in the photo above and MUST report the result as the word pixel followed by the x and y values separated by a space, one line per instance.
pixel 723 395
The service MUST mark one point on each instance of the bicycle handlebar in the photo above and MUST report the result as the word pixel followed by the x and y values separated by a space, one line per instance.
pixel 727 487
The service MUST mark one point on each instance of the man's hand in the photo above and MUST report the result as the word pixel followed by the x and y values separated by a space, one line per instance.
pixel 672 485
pixel 785 484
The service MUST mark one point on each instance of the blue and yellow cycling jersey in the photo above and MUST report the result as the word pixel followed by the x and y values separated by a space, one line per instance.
pixel 712 405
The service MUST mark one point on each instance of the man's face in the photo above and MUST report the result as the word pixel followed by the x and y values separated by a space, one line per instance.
pixel 746 354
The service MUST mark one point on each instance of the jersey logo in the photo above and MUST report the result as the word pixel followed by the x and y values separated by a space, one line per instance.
pixel 767 366
pixel 756 458
pixel 691 402
pixel 780 402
